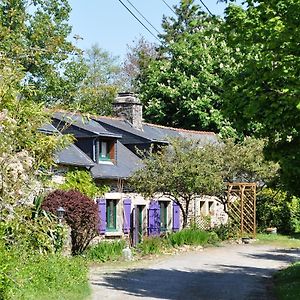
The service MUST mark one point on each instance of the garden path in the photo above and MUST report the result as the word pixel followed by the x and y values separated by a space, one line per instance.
pixel 233 272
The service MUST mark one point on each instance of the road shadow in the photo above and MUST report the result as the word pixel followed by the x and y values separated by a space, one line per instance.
pixel 229 282
pixel 284 255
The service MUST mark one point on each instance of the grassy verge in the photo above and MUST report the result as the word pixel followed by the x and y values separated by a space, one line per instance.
pixel 287 283
pixel 44 277
pixel 107 251
pixel 279 240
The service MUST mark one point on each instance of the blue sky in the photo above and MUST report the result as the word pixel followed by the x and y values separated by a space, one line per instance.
pixel 109 24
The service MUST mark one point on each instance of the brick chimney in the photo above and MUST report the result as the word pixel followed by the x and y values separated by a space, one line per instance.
pixel 129 107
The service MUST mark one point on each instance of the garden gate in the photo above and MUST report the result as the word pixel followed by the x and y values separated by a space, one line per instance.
pixel 241 200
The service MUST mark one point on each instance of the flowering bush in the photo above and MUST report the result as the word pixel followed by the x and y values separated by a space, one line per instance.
pixel 81 215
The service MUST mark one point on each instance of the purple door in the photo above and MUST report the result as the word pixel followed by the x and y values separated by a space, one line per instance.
pixel 154 218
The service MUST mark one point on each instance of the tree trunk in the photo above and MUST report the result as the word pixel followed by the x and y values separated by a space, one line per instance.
pixel 185 213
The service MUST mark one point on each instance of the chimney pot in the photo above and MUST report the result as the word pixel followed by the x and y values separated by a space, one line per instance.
pixel 128 106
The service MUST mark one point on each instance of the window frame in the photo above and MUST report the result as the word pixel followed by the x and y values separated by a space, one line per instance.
pixel 110 214
pixel 110 150
pixel 107 150
pixel 163 207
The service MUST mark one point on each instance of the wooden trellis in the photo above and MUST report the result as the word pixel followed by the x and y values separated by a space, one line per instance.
pixel 241 199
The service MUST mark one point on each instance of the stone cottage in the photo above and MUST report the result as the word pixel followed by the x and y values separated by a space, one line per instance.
pixel 109 148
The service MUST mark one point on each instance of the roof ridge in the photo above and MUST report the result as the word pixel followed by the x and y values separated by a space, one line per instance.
pixel 180 129
pixel 97 117
pixel 78 113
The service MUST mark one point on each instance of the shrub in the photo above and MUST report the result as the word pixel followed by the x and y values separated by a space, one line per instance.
pixel 226 231
pixel 153 245
pixel 277 209
pixel 106 251
pixel 190 237
pixel 36 234
pixel 81 215
pixel 83 182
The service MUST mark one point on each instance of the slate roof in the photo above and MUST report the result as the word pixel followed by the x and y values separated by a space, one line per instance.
pixel 87 125
pixel 163 133
pixel 153 133
pixel 127 163
pixel 73 156
pixel 48 129
pixel 117 128
pixel 130 135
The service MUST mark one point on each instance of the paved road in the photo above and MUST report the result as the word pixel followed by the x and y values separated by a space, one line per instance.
pixel 236 272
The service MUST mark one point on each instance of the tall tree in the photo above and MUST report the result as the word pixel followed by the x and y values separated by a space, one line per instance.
pixel 138 56
pixel 24 151
pixel 102 79
pixel 181 172
pixel 184 171
pixel 262 94
pixel 182 87
pixel 34 35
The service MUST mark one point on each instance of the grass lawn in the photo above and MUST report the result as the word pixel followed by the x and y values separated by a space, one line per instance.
pixel 287 283
pixel 279 240
pixel 51 277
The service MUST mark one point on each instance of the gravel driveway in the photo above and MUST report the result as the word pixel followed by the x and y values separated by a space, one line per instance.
pixel 235 272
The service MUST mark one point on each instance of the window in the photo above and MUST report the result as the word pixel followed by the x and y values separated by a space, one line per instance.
pixel 202 208
pixel 104 151
pixel 211 207
pixel 111 215
pixel 163 215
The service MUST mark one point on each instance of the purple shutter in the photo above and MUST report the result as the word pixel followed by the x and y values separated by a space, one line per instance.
pixel 154 218
pixel 135 226
pixel 126 214
pixel 102 215
pixel 176 216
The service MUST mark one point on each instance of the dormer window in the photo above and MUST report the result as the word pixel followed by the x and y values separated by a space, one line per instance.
pixel 104 151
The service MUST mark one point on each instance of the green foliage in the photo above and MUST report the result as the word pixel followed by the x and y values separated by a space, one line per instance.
pixel 106 251
pixel 29 267
pixel 83 182
pixel 33 34
pixel 192 237
pixel 45 277
pixel 138 57
pixel 185 170
pixel 180 172
pixel 276 208
pixel 226 231
pixel 261 94
pixel 38 235
pixel 153 245
pixel 99 86
pixel 245 161
pixel 5 264
pixel 25 153
pixel 279 240
pixel 182 85
pixel 287 283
